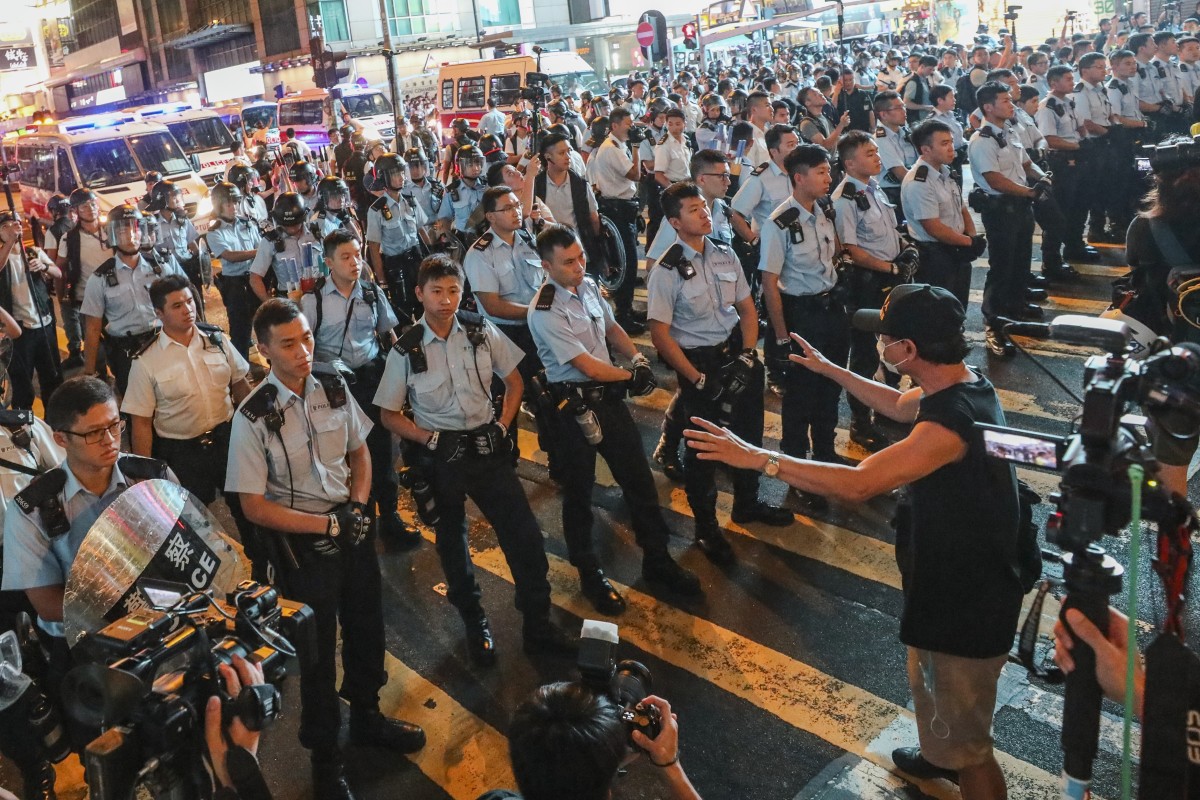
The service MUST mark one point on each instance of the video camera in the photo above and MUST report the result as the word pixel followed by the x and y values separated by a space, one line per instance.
pixel 638 133
pixel 153 720
pixel 536 88
pixel 1172 154
pixel 625 683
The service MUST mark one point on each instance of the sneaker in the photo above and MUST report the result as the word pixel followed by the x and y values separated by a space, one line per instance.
pixel 910 760
pixel 998 344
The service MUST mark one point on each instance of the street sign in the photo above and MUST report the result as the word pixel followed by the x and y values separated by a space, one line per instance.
pixel 645 34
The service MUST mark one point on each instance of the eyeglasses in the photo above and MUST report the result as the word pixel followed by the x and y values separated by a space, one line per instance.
pixel 95 437
pixel 894 108
pixel 505 209
pixel 725 176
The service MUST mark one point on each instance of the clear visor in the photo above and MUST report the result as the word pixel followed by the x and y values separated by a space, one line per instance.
pixel 125 233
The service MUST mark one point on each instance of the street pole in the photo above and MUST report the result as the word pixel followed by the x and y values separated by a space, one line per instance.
pixel 841 23
pixel 390 63
pixel 700 43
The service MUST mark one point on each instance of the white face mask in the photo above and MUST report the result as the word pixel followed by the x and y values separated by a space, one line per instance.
pixel 888 365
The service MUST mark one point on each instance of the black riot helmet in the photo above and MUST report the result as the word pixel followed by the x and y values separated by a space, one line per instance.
pixel 389 172
pixel 226 192
pixel 359 141
pixel 467 156
pixel 415 155
pixel 243 177
pixel 160 196
pixel 58 206
pixel 82 196
pixel 125 228
pixel 333 194
pixel 289 210
pixel 493 152
pixel 303 171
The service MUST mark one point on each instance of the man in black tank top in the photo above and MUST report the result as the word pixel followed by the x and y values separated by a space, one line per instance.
pixel 957 538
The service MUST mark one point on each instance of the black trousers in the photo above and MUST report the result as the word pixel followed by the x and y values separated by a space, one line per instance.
pixel 1126 189
pixel 35 350
pixel 810 404
pixel 942 265
pixel 1009 226
pixel 1066 169
pixel 401 273
pixel 120 350
pixel 745 418
pixel 240 305
pixel 1096 182
pixel 622 449
pixel 870 289
pixel 344 588
pixel 384 488
pixel 624 214
pixel 651 191
pixel 492 483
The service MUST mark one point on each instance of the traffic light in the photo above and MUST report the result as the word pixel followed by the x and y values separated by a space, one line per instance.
pixel 326 73
pixel 689 35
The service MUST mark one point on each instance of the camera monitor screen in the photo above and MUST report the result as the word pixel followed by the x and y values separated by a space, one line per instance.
pixel 1040 450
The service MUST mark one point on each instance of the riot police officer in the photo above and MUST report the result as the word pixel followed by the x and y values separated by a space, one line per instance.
pixel 177 234
pixel 252 206
pixel 333 211
pixel 80 252
pixel 442 368
pixel 799 247
pixel 573 328
pixel 704 326
pixel 422 187
pixel 352 321
pixel 393 236
pixel 356 176
pixel 303 176
pixel 116 301
pixel 290 238
pixel 713 132
pixel 866 225
pixel 298 458
pixel 233 240
pixel 463 194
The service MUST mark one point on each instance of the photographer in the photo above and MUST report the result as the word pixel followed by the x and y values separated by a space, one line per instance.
pixel 962 593
pixel 233 751
pixel 1111 652
pixel 568 742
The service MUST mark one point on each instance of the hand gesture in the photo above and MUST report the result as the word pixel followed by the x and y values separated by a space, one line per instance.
pixel 714 443
pixel 535 166
pixel 810 357
pixel 845 120
pixel 1110 652
pixel 242 673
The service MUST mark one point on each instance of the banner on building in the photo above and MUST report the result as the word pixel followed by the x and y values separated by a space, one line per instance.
pixel 16 48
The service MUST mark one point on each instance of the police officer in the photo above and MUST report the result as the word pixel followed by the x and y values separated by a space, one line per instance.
pixel 252 206
pixel 25 295
pixel 352 321
pixel 713 133
pixel 1171 115
pixel 573 328
pixel 442 368
pixel 614 173
pixel 80 252
pixel 1127 133
pixel 1095 119
pixel 290 238
pixel 799 246
pixel 62 217
pixel 866 226
pixel 233 240
pixel 1058 121
pixel 463 194
pixel 704 326
pixel 1001 169
pixel 356 175
pixel 393 241
pixel 343 149
pixel 333 211
pixel 648 187
pixel 938 221
pixel 116 301
pixel 299 460
pixel 177 235
pixel 895 146
pixel 422 187
pixel 303 176
pixel 672 154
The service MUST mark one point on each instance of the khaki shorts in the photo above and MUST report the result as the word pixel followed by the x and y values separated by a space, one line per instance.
pixel 954 698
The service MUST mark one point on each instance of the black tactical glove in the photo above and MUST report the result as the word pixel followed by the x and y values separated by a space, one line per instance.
pixel 739 374
pixel 447 447
pixel 642 383
pixel 492 439
pixel 1041 190
pixel 709 387
pixel 347 526
pixel 978 245
pixel 907 263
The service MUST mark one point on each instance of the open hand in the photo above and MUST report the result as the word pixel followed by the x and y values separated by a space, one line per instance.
pixel 714 443
pixel 810 357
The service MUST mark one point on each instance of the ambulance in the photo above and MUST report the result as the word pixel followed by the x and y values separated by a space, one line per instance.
pixel 311 113
pixel 199 131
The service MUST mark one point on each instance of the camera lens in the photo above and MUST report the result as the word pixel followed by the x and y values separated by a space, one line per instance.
pixel 630 683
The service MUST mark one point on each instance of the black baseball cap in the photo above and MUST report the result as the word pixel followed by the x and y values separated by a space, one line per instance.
pixel 914 311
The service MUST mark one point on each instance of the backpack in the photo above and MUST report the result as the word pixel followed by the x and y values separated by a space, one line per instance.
pixel 964 94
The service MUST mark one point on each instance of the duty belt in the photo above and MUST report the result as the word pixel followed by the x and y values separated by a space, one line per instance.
pixel 827 301
pixel 589 391
pixel 207 439
pixel 1062 155
pixel 130 342
pixel 712 351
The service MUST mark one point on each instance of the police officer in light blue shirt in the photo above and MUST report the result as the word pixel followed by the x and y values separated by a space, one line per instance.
pixel 503 268
pixel 334 210
pixel 291 238
pixel 233 240
pixel 422 187
pixel 765 187
pixel 464 193
pixel 393 235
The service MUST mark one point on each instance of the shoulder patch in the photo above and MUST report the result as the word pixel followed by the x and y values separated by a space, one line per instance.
pixel 380 203
pixel 141 468
pixel 526 235
pixel 786 218
pixel 1079 87
pixel 663 139
pixel 922 173
pixel 410 338
pixel 483 242
pixel 545 297
pixel 760 169
pixel 674 259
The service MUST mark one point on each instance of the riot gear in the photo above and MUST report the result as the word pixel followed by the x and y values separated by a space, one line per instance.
pixel 289 210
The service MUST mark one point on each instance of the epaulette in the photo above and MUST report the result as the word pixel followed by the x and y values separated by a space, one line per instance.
pixel 673 259
pixel 1183 67
pixel 261 403
pixel 545 297
pixel 483 242
pixel 144 346
pixel 14 417
pixel 760 169
pixel 409 344
pixel 922 173
pixel 722 247
pixel 1079 87
pixel 1141 72
pixel 1116 84
pixel 663 138
pixel 1055 105
pixel 141 468
pixel 215 224
pixel 526 235
pixel 436 189
pixel 1162 71
pixel 42 494
pixel 786 218
pixel 880 132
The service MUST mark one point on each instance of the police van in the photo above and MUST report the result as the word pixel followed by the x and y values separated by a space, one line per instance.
pixel 464 87
pixel 109 154
pixel 311 113
pixel 199 131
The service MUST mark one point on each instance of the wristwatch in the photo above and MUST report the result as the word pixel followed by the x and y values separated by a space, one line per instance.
pixel 334 528
pixel 700 382
pixel 771 468
pixel 432 441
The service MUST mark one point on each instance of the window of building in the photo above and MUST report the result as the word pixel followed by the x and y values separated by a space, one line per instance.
pixel 505 89
pixel 412 17
pixel 170 16
pixel 333 17
pixel 470 92
pixel 95 21
pixel 218 56
pixel 499 12
pixel 280 34
pixel 179 66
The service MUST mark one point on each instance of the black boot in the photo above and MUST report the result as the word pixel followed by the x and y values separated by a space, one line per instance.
pixel 480 644
pixel 668 458
pixel 600 593
pixel 395 534
pixel 329 780
pixel 713 544
pixel 372 729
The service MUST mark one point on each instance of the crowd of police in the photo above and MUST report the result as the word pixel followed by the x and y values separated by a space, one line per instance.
pixel 413 301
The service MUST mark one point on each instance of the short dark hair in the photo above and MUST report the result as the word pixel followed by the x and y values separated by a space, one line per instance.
pixel 999 75
pixel 706 158
pixel 805 157
pixel 1137 41
pixel 1182 40
pixel 884 98
pixel 618 114
pixel 74 398
pixel 1036 57
pixel 945 351
pixel 1088 59
pixel 675 113
pixel 986 95
pixel 922 134
pixel 492 195
pixel 756 97
pixel 1162 36
pixel 939 91
pixel 775 134
pixel 848 145
pixel 276 311
pixel 823 82
pixel 436 266
pixel 566 741
pixel 291 133
pixel 928 61
pixel 674 195
pixel 1056 72
pixel 166 286
pixel 548 141
pixel 336 239
pixel 555 236
pixel 1028 93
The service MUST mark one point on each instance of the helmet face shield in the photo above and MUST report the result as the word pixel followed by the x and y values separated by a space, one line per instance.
pixel 125 234
pixel 149 233
pixel 470 165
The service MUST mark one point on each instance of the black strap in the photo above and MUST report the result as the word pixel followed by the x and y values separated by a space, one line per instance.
pixel 21 468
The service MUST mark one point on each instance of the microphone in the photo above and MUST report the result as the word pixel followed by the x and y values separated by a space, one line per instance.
pixel 1109 335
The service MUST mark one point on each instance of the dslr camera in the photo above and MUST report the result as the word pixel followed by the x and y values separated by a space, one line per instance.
pixel 535 89
pixel 145 681
pixel 625 683
pixel 638 133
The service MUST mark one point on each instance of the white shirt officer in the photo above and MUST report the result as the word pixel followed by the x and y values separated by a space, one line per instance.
pixel 931 194
pixel 185 388
pixel 453 392
pixel 575 323
pixel 350 326
pixel 1091 102
pixel 695 293
pixel 799 246
pixel 872 228
pixel 610 164
pixel 673 158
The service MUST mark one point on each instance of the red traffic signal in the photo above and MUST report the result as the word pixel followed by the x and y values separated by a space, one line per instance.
pixel 688 29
